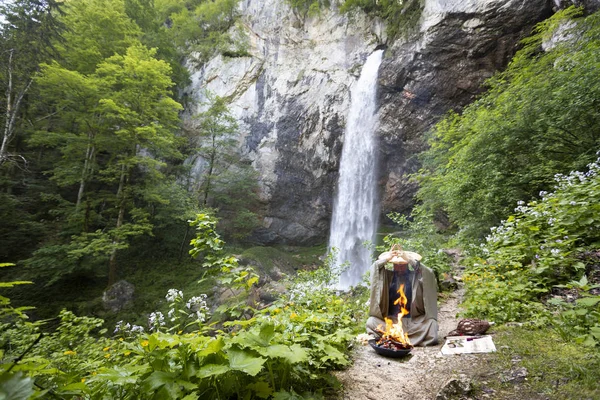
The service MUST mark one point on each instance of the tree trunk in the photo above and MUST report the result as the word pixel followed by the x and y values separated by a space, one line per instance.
pixel 11 110
pixel 3 148
pixel 187 230
pixel 211 165
pixel 89 153
pixel 112 263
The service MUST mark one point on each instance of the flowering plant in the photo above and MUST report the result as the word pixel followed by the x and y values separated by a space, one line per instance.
pixel 537 248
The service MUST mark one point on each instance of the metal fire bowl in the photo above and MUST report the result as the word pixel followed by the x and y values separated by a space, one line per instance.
pixel 388 352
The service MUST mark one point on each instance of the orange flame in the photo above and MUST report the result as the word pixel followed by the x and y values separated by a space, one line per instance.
pixel 395 331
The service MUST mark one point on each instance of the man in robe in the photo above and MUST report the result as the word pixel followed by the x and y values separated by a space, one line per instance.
pixel 420 288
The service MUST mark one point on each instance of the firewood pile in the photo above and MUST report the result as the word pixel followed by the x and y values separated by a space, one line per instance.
pixel 388 342
pixel 391 344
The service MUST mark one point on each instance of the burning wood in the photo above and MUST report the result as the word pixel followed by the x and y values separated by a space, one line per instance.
pixel 394 337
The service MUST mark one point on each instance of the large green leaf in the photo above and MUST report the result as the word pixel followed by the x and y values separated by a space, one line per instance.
pixel 191 396
pixel 262 389
pixel 333 354
pixel 267 332
pixel 292 354
pixel 157 379
pixel 588 301
pixel 245 361
pixel 209 370
pixel 15 387
pixel 213 347
pixel 256 340
pixel 285 395
pixel 127 374
pixel 77 388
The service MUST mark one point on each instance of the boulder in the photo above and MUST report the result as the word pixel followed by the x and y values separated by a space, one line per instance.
pixel 118 297
pixel 447 283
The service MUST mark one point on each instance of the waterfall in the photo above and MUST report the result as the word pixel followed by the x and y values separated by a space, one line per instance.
pixel 354 217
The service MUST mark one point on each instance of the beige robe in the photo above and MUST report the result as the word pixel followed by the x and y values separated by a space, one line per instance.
pixel 422 327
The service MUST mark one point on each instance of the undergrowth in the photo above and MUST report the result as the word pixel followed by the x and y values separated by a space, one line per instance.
pixel 284 350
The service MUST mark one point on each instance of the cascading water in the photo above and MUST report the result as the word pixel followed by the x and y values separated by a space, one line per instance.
pixel 354 213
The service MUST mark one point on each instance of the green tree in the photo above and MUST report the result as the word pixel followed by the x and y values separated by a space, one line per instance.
pixel 121 124
pixel 200 28
pixel 400 16
pixel 227 181
pixel 98 29
pixel 27 31
pixel 156 34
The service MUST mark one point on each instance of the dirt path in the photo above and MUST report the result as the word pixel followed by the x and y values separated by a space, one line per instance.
pixel 418 376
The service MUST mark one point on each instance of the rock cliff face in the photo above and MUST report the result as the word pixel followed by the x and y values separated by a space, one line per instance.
pixel 291 95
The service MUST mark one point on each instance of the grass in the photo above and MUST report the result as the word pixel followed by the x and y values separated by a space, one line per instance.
pixel 555 369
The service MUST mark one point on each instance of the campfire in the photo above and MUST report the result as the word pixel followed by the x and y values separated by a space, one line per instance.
pixel 394 337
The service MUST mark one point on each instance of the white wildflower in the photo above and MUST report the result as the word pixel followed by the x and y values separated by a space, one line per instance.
pixel 200 316
pixel 196 303
pixel 156 320
pixel 173 294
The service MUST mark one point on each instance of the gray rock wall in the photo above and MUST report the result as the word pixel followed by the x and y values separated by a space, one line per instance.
pixel 291 96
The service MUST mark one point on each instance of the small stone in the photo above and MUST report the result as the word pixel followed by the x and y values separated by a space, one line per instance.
pixel 455 387
pixel 515 376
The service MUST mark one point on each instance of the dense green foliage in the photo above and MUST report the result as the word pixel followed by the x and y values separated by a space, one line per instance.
pixel 400 16
pixel 105 118
pixel 91 163
pixel 308 7
pixel 200 27
pixel 544 245
pixel 282 351
pixel 91 173
pixel 540 117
